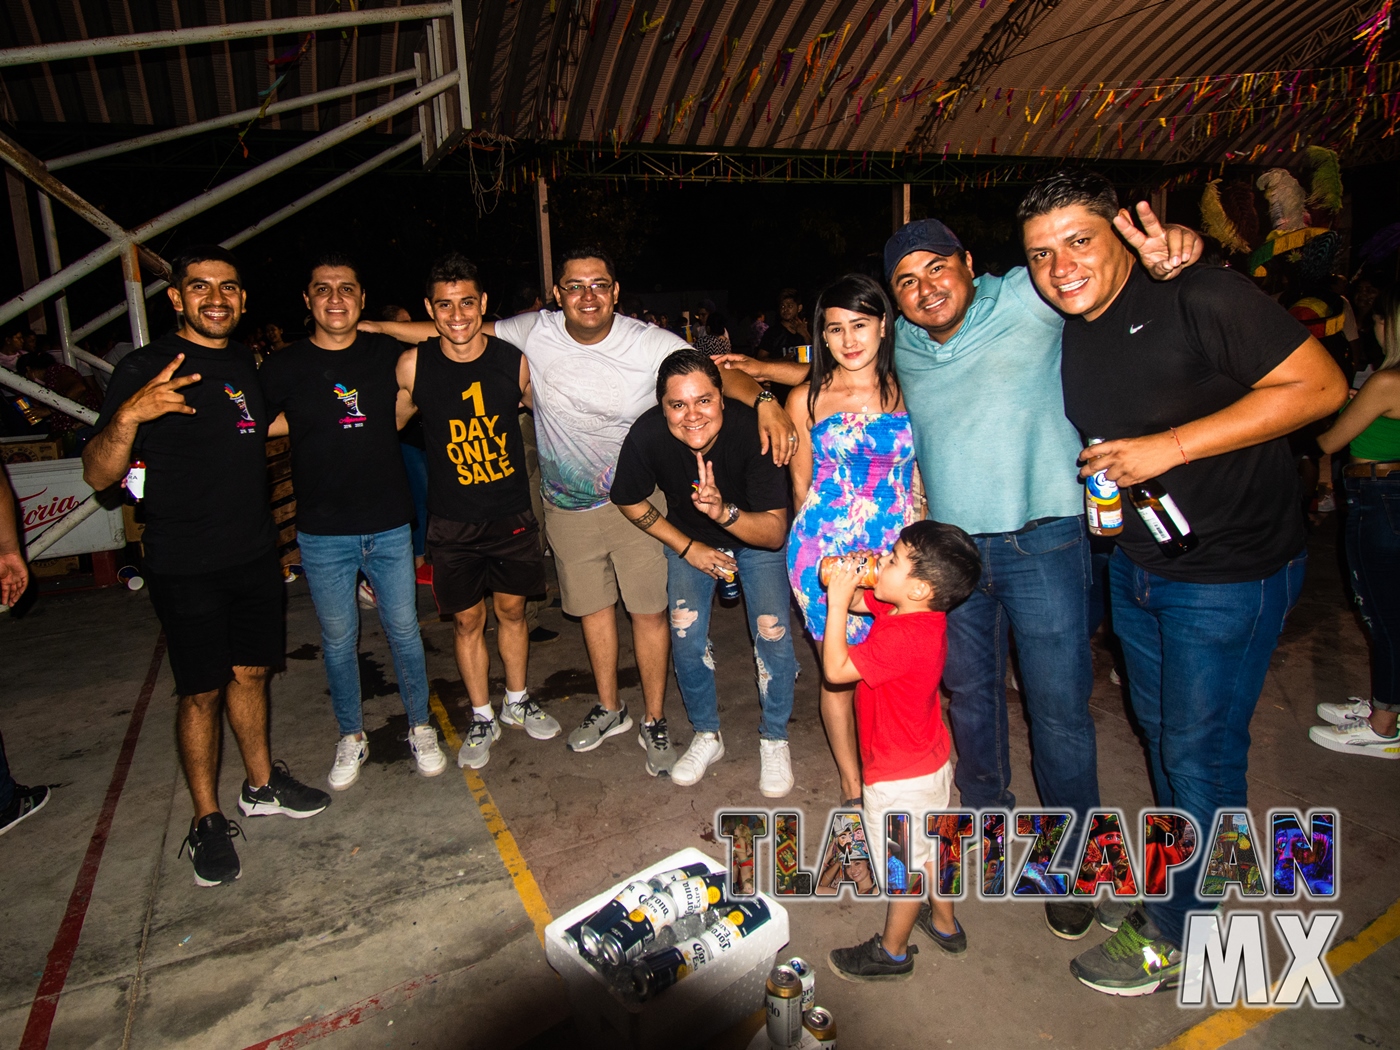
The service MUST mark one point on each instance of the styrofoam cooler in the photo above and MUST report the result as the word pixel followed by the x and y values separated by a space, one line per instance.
pixel 696 1008
pixel 50 490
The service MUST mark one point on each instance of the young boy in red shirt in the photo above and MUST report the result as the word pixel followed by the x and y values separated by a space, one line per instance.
pixel 903 744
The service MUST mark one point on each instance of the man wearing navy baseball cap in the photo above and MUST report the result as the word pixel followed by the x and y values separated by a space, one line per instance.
pixel 978 360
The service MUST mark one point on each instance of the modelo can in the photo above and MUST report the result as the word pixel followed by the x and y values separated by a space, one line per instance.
pixel 821 1026
pixel 866 564
pixel 784 1006
pixel 804 970
pixel 729 585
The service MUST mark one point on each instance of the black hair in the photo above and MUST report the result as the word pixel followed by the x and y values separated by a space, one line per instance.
pixel 38 359
pixel 523 298
pixel 391 311
pixel 336 259
pixel 583 251
pixel 945 557
pixel 1065 189
pixel 198 253
pixel 716 323
pixel 684 362
pixel 789 293
pixel 862 295
pixel 450 268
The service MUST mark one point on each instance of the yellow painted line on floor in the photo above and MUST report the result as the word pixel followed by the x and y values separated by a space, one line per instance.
pixel 520 874
pixel 1220 1028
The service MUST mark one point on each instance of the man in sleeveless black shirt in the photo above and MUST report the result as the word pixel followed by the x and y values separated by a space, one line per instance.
pixel 482 532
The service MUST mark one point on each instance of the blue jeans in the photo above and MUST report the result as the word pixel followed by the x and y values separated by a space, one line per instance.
pixel 1373 555
pixel 763 575
pixel 415 462
pixel 1035 582
pixel 332 565
pixel 1197 654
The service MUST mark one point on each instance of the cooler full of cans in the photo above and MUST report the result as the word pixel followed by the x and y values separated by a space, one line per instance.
pixel 709 1001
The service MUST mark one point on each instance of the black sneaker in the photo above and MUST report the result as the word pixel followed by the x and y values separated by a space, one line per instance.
pixel 27 802
pixel 953 943
pixel 1069 920
pixel 543 636
pixel 282 794
pixel 210 843
pixel 1137 960
pixel 870 962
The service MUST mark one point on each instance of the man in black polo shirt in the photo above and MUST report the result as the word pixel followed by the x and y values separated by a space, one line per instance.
pixel 1193 384
pixel 189 408
pixel 482 533
pixel 335 393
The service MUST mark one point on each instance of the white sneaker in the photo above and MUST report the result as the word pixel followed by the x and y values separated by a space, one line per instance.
pixel 774 768
pixel 350 755
pixel 423 742
pixel 528 716
pixel 704 750
pixel 1354 710
pixel 364 593
pixel 476 749
pixel 1355 738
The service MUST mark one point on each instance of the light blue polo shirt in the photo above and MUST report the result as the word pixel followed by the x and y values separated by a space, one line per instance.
pixel 988 412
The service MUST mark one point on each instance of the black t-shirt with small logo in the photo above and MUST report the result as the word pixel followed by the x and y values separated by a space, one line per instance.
pixel 1165 353
pixel 471 420
pixel 206 501
pixel 347 471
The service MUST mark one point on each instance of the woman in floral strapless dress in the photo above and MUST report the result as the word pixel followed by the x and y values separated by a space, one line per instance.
pixel 853 474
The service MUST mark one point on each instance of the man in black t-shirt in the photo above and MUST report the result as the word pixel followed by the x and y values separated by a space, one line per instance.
pixel 335 393
pixel 726 513
pixel 482 533
pixel 186 416
pixel 1193 383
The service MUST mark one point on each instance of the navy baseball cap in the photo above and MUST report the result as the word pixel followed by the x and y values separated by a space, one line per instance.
pixel 922 235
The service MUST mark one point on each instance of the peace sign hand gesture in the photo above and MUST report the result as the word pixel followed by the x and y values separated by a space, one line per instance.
pixel 1164 250
pixel 705 495
pixel 161 395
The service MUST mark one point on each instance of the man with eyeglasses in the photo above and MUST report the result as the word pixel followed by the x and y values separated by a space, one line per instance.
pixel 593 373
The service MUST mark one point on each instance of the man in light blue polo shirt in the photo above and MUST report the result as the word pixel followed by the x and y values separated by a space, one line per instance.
pixel 978 359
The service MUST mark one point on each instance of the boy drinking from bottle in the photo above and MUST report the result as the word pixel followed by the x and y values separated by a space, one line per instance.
pixel 903 744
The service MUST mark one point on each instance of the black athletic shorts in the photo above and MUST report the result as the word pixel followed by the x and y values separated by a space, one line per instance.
pixel 216 621
pixel 470 558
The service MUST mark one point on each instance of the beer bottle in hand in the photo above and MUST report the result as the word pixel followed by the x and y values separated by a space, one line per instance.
pixel 1162 517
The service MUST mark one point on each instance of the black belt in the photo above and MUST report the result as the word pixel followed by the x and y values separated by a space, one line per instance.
pixel 1029 526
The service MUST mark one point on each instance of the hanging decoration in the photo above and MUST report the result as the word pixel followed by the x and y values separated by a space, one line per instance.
pixel 1215 223
pixel 1326 192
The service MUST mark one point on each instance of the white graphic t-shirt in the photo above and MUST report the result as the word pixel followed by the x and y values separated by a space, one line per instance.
pixel 586 398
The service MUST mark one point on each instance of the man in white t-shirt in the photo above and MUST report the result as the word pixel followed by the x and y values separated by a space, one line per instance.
pixel 593 373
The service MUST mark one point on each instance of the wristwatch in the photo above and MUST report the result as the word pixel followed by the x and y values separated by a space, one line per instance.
pixel 732 512
pixel 763 395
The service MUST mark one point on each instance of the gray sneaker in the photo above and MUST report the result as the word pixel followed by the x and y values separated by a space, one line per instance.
pixel 476 749
pixel 528 716
pixel 598 726
pixel 656 741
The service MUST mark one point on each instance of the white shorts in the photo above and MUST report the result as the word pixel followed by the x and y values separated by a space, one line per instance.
pixel 915 796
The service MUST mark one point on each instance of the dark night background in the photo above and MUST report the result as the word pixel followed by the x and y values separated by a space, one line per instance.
pixel 748 239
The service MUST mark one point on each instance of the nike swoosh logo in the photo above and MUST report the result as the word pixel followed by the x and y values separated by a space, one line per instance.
pixel 1134 329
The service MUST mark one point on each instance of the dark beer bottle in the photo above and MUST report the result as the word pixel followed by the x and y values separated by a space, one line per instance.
pixel 1163 518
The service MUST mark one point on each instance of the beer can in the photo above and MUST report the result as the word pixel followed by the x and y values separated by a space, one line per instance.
pixel 804 970
pixel 662 879
pixel 656 971
pixel 659 909
pixel 695 894
pixel 729 586
pixel 866 563
pixel 610 914
pixel 804 354
pixel 131 576
pixel 784 1006
pixel 625 940
pixel 821 1026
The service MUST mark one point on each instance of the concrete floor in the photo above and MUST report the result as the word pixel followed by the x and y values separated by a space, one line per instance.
pixel 391 920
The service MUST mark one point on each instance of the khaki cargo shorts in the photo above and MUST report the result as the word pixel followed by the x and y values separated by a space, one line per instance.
pixel 599 553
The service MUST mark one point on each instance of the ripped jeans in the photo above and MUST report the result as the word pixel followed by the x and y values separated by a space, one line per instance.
pixel 690 594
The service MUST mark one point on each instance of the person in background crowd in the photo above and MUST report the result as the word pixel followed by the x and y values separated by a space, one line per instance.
pixel 41 368
pixel 17 801
pixel 12 348
pixel 593 374
pixel 1195 382
pixel 275 337
pixel 1370 425
pixel 189 406
pixel 482 532
pixel 413 451
pixel 779 342
pixel 527 300
pixel 714 339
pixel 732 519
pixel 334 394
